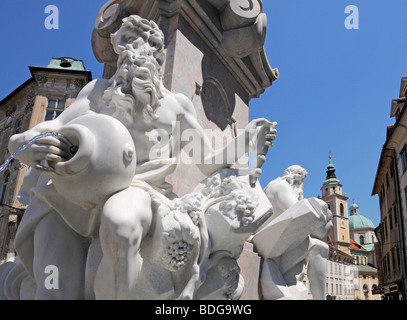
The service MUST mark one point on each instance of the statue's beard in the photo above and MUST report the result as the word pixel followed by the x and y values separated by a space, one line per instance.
pixel 299 191
pixel 135 87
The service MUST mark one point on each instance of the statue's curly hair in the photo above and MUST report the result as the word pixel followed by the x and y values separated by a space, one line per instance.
pixel 295 169
pixel 148 30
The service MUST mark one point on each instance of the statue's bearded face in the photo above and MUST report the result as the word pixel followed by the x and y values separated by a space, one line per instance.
pixel 136 83
pixel 295 176
pixel 298 186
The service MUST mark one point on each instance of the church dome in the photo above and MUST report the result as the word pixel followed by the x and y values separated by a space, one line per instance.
pixel 358 221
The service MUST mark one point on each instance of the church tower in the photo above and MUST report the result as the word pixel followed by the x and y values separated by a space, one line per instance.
pixel 338 204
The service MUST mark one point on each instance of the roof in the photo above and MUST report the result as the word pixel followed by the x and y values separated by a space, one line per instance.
pixel 330 176
pixel 358 221
pixel 369 246
pixel 365 268
pixel 17 90
pixel 331 181
pixel 355 245
pixel 335 250
pixel 66 63
pixel 395 105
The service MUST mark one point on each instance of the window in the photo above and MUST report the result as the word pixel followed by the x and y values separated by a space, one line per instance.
pixel 398 256
pixel 403 156
pixel 388 262
pixel 341 209
pixel 385 265
pixel 3 188
pixel 54 109
pixel 393 260
pixel 361 239
pixel 390 220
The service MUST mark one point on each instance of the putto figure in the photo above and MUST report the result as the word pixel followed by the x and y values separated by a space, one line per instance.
pixel 104 215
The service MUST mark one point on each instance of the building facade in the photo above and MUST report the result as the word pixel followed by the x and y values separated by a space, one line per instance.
pixel 363 240
pixel 391 186
pixel 44 96
pixel 340 275
pixel 351 270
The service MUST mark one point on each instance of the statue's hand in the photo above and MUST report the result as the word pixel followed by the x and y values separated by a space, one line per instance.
pixel 52 149
pixel 261 133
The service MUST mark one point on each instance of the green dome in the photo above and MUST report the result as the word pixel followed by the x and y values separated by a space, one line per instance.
pixel 331 181
pixel 354 205
pixel 360 222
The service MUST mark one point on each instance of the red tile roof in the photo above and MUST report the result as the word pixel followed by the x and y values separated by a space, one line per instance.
pixel 355 245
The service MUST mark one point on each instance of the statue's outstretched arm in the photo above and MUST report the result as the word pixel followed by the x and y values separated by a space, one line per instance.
pixel 210 160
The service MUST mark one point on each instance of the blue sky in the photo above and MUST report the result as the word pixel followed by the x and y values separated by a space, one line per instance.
pixel 333 95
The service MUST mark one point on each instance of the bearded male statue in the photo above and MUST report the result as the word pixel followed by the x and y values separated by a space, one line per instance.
pixel 91 226
pixel 291 241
